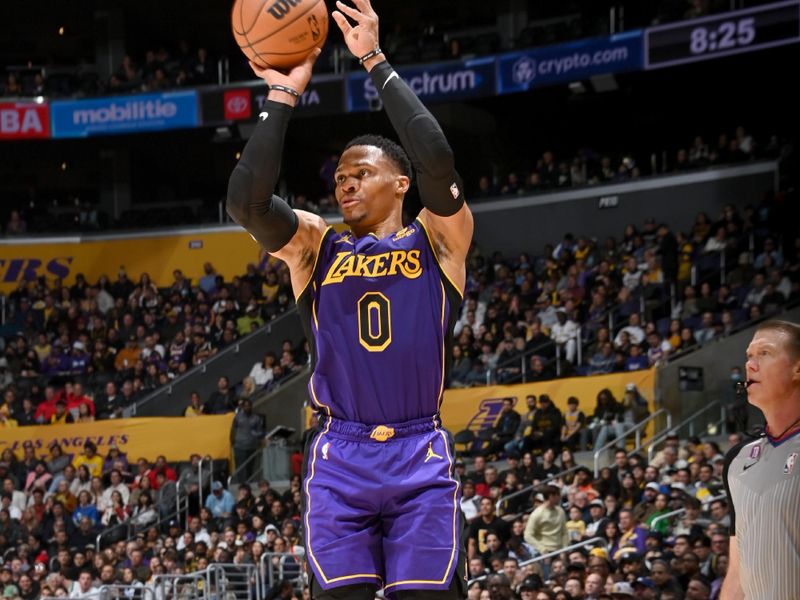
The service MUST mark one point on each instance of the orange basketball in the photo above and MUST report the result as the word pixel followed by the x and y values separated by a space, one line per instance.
pixel 279 33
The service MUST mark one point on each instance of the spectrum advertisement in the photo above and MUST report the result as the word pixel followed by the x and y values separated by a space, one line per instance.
pixel 124 114
pixel 521 71
pixel 432 83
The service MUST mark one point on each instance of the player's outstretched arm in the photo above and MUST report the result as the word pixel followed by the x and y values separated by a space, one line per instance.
pixel 292 236
pixel 440 187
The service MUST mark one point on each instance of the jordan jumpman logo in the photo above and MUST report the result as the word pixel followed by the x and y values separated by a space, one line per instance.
pixel 431 454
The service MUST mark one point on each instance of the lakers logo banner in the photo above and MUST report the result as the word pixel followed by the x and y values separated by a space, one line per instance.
pixel 479 408
pixel 228 249
pixel 177 438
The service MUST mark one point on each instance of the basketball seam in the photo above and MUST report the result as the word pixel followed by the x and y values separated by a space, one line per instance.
pixel 309 9
pixel 249 43
pixel 241 22
pixel 264 64
pixel 255 20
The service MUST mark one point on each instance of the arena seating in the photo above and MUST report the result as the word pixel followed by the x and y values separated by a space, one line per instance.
pixel 77 368
pixel 105 527
pixel 661 525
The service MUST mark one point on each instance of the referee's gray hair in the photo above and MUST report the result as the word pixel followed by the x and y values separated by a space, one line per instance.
pixel 792 331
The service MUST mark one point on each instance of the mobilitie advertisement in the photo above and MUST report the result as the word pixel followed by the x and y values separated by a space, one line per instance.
pixel 124 114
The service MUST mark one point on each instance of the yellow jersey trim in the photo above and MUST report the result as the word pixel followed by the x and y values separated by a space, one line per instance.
pixel 436 258
pixel 316 400
pixel 308 522
pixel 444 349
pixel 455 521
pixel 314 306
pixel 308 495
pixel 357 575
pixel 316 259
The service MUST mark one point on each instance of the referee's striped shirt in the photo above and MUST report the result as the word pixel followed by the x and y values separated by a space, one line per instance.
pixel 762 478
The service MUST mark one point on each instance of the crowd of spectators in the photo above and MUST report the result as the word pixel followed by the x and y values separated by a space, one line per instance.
pixel 643 551
pixel 157 70
pixel 548 173
pixel 52 512
pixel 580 307
pixel 626 303
pixel 88 351
pixel 441 35
pixel 588 167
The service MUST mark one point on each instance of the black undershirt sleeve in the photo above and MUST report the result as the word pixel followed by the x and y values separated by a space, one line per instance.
pixel 440 187
pixel 250 202
pixel 729 456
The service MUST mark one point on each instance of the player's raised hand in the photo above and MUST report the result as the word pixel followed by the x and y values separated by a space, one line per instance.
pixel 296 78
pixel 363 37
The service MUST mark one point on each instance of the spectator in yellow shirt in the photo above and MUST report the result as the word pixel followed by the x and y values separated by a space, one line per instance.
pixel 546 529
pixel 6 421
pixel 576 528
pixel 90 458
pixel 195 409
pixel 61 416
pixel 127 357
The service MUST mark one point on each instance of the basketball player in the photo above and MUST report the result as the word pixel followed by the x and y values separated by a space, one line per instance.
pixel 762 477
pixel 379 303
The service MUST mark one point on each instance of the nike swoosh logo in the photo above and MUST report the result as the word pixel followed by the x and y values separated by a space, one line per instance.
pixel 263 116
pixel 388 79
pixel 748 466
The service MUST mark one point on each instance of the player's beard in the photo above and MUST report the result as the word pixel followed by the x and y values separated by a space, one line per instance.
pixel 355 217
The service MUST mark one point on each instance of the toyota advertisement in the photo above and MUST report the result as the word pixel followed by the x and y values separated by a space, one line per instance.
pixel 521 71
pixel 24 120
pixel 323 96
pixel 124 114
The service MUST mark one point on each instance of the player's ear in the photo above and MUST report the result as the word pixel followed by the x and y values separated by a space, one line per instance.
pixel 403 183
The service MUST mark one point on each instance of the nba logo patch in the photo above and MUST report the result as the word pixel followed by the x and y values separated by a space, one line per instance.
pixel 790 462
pixel 454 191
pixel 755 451
pixel 325 447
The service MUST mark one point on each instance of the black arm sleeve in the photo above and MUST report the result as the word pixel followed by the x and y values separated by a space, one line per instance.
pixel 440 187
pixel 250 200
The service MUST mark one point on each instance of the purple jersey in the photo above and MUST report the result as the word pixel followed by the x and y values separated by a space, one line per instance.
pixel 379 316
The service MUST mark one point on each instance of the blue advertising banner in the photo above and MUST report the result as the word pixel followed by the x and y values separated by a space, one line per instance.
pixel 123 114
pixel 521 71
pixel 432 83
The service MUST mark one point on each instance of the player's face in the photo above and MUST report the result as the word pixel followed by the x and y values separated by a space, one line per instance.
pixel 369 186
pixel 772 373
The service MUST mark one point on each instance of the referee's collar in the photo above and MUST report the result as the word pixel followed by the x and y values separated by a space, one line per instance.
pixel 786 436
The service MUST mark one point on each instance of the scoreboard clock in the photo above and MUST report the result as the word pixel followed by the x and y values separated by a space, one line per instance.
pixel 722 35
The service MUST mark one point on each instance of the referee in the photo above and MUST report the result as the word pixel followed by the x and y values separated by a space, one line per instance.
pixel 762 476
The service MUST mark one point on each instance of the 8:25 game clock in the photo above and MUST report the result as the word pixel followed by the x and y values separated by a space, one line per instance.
pixel 722 35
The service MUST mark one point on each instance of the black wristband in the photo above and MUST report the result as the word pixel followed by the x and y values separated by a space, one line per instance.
pixel 283 88
pixel 369 55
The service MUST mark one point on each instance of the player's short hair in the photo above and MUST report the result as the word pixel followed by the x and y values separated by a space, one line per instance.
pixel 391 149
pixel 792 331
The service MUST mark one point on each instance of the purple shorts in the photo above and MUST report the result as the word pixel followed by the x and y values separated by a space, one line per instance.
pixel 382 506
